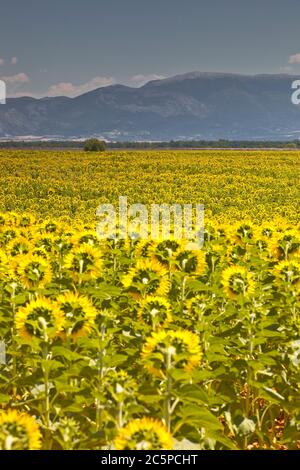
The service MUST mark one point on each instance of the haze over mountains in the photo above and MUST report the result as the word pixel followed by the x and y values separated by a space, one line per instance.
pixel 196 105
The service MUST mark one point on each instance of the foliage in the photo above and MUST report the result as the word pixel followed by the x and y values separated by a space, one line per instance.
pixel 96 358
pixel 94 145
pixel 126 344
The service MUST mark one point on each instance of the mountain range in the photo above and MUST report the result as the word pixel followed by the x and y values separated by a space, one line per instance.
pixel 196 105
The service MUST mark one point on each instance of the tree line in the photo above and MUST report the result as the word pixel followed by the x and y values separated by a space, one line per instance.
pixel 100 145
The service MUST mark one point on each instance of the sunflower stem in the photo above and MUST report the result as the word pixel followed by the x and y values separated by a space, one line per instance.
pixel 120 415
pixel 183 285
pixel 168 394
pixel 100 380
pixel 13 336
pixel 46 397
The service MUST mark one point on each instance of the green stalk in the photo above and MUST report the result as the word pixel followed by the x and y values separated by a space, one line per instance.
pixel 46 398
pixel 183 286
pixel 168 394
pixel 248 404
pixel 13 336
pixel 100 380
pixel 120 414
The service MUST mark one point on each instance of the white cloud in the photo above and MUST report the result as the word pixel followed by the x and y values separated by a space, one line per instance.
pixel 141 79
pixel 14 60
pixel 1 61
pixel 15 82
pixel 71 90
pixel 16 90
pixel 21 94
pixel 294 59
pixel 17 79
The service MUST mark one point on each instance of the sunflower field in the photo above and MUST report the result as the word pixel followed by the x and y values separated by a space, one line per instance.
pixel 142 344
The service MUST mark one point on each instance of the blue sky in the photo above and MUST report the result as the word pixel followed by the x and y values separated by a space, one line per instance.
pixel 70 46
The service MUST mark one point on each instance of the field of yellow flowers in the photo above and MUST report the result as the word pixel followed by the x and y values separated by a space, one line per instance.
pixel 136 344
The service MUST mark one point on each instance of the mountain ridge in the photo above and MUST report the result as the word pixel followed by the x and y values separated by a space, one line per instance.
pixel 203 105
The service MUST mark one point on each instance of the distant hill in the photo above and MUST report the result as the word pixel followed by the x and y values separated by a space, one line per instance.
pixel 190 106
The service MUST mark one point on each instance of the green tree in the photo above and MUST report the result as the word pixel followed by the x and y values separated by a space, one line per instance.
pixel 94 145
pixel 291 145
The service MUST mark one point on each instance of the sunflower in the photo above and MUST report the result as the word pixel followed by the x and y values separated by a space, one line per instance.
pixel 11 218
pixel 215 255
pixel 3 220
pixel 147 277
pixel 214 231
pixel 197 306
pixel 119 386
pixel 154 311
pixel 26 220
pixel 50 226
pixel 165 250
pixel 262 244
pixel 8 234
pixel 243 232
pixel 45 241
pixel 84 263
pixel 287 273
pixel 143 248
pixel 18 246
pixel 41 252
pixel 286 244
pixel 235 253
pixel 237 281
pixel 18 431
pixel 190 261
pixel 144 434
pixel 88 237
pixel 63 244
pixel 40 318
pixel 210 231
pixel 168 348
pixel 3 264
pixel 34 271
pixel 267 229
pixel 79 314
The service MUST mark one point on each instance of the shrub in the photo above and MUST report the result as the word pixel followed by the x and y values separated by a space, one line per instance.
pixel 94 145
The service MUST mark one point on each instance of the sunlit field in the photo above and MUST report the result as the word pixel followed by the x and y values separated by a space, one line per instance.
pixel 231 184
pixel 142 344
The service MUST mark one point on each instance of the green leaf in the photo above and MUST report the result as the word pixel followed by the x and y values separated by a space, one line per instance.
pixel 272 395
pixel 4 398
pixel 117 359
pixel 201 417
